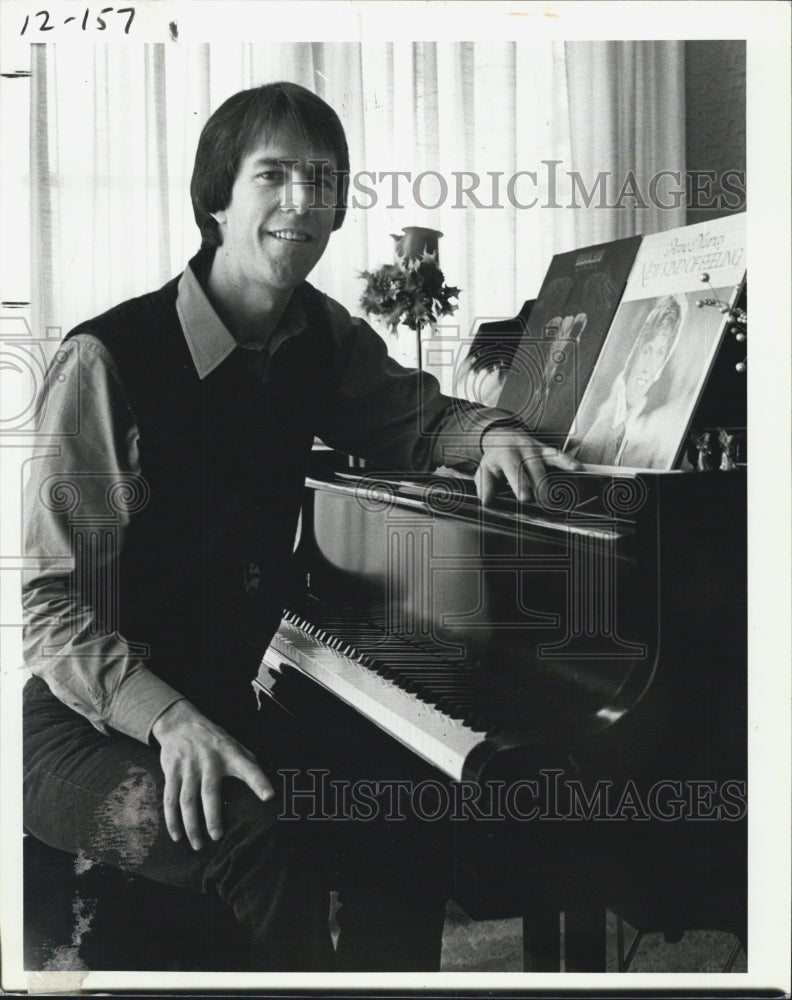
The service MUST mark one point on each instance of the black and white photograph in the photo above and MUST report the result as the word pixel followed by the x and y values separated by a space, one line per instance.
pixel 395 528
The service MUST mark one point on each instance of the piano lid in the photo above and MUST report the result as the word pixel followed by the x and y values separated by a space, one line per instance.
pixel 579 503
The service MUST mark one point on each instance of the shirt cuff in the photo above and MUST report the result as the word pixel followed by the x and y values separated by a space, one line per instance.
pixel 460 437
pixel 139 701
pixel 505 420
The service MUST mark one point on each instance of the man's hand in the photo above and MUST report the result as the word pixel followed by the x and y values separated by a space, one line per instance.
pixel 196 755
pixel 511 454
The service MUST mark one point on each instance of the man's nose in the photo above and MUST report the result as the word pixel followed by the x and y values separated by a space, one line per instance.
pixel 297 196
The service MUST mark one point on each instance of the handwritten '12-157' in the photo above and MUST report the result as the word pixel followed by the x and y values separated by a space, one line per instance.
pixel 100 25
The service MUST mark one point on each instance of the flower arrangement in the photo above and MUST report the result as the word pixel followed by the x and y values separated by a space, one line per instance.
pixel 411 291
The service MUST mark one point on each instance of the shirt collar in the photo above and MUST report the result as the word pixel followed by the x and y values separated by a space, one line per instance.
pixel 208 338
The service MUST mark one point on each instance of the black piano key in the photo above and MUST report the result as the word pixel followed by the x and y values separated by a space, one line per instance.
pixel 409 669
pixel 454 714
pixel 436 689
pixel 430 673
pixel 450 710
pixel 446 698
pixel 396 656
pixel 425 675
pixel 430 689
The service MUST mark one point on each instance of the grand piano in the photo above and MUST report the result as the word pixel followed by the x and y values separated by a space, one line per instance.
pixel 596 633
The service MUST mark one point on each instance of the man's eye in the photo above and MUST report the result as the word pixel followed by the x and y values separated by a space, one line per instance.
pixel 270 175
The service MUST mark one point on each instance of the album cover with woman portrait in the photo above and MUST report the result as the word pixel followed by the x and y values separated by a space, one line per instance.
pixel 565 332
pixel 661 346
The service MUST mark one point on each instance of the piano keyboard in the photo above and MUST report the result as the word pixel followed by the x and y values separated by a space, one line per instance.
pixel 441 708
pixel 384 679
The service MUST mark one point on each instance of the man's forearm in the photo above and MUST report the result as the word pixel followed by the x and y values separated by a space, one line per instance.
pixel 85 662
pixel 94 674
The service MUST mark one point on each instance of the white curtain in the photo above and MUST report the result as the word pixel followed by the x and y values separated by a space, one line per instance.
pixel 627 120
pixel 116 131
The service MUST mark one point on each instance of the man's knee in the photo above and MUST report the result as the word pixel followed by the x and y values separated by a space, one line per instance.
pixel 127 820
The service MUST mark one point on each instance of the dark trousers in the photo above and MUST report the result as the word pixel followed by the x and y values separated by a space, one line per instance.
pixel 100 798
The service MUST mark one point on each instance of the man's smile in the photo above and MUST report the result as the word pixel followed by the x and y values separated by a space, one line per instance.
pixel 290 235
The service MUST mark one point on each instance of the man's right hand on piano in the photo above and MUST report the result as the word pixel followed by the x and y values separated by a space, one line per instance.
pixel 512 455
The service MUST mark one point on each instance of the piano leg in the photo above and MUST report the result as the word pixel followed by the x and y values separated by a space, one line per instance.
pixel 584 939
pixel 542 939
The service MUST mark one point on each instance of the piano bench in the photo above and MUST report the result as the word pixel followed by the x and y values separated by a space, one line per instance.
pixel 105 919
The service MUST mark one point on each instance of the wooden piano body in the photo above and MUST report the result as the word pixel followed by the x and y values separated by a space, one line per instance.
pixel 599 634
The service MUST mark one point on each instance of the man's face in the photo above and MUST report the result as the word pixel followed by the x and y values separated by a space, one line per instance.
pixel 281 213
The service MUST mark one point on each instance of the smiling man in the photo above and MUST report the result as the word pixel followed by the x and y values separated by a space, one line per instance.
pixel 177 504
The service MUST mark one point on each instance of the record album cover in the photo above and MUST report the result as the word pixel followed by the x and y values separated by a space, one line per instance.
pixel 566 328
pixel 661 346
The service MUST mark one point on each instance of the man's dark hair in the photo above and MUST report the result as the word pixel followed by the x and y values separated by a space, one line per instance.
pixel 237 124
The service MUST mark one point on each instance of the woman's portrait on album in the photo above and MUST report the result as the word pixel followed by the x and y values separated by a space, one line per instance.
pixel 646 383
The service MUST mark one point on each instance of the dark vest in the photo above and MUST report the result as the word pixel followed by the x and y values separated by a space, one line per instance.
pixel 205 569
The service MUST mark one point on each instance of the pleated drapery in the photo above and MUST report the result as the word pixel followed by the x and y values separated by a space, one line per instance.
pixel 483 124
